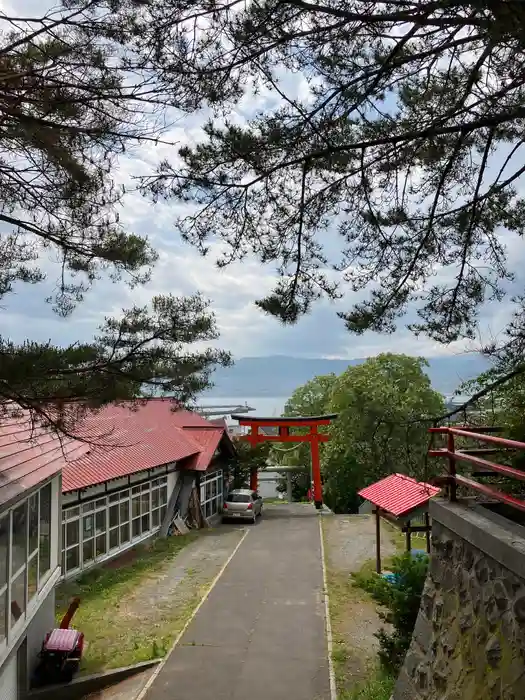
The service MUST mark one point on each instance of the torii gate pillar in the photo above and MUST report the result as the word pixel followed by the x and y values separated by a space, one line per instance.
pixel 283 425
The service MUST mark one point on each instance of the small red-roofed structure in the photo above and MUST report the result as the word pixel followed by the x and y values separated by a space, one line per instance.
pixel 399 499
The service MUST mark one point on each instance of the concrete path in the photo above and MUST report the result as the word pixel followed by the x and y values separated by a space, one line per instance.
pixel 261 632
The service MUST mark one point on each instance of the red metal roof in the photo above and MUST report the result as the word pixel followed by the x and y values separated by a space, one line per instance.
pixel 399 494
pixel 30 453
pixel 130 439
pixel 116 441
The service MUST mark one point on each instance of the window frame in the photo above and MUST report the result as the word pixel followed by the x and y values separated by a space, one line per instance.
pixel 150 493
pixel 211 502
pixel 33 538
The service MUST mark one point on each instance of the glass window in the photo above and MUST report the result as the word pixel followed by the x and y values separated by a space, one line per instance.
pixel 88 550
pixel 113 516
pixel 88 526
pixel 208 490
pixel 3 616
pixel 164 495
pixel 100 521
pixel 135 527
pixel 114 497
pixel 32 577
pixel 155 518
pixel 213 488
pixel 135 506
pixel 145 487
pixel 4 549
pixel 145 503
pixel 100 545
pixel 145 523
pixel 18 597
pixel 124 533
pixel 239 498
pixel 45 531
pixel 72 533
pixel 162 512
pixel 135 489
pixel 33 523
pixel 124 494
pixel 73 558
pixel 19 537
pixel 124 512
pixel 101 503
pixel 113 538
pixel 155 498
pixel 88 507
pixel 73 512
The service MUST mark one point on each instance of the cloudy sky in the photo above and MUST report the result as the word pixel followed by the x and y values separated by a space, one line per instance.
pixel 245 330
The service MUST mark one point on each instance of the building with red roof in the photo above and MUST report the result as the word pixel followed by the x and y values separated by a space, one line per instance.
pixel 143 463
pixel 70 503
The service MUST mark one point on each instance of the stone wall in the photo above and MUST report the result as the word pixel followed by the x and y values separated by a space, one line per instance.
pixel 469 640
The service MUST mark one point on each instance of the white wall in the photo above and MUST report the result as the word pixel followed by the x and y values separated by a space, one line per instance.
pixel 173 478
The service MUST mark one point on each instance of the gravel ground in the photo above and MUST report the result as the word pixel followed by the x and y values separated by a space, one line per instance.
pixel 191 571
pixel 350 543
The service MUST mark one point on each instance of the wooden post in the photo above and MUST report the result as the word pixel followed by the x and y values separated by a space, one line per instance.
pixel 409 537
pixel 427 523
pixel 378 541
pixel 289 486
pixel 316 468
pixel 253 479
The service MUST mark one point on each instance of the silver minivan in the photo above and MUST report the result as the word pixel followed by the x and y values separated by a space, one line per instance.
pixel 242 504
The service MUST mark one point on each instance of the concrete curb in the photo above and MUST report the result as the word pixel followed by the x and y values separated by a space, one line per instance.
pixel 328 620
pixel 82 685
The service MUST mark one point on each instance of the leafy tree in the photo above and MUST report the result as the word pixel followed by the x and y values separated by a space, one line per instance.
pixel 378 430
pixel 499 400
pixel 246 459
pixel 81 84
pixel 312 398
pixel 401 129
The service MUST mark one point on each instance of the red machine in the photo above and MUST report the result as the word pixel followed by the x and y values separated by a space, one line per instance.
pixel 61 652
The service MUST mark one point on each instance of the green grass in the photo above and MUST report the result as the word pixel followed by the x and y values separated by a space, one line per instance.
pixel 397 537
pixel 378 687
pixel 115 636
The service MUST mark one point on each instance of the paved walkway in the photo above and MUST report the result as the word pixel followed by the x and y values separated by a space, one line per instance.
pixel 261 632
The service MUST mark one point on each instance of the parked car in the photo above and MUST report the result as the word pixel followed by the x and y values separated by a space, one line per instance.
pixel 242 504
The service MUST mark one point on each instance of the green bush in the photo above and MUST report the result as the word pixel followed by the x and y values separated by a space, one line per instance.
pixel 379 687
pixel 401 598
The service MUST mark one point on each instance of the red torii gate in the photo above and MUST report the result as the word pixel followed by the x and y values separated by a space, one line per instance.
pixel 314 437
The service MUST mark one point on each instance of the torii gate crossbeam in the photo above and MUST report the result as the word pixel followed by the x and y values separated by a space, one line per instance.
pixel 283 424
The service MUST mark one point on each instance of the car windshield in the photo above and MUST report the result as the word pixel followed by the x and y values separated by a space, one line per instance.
pixel 239 498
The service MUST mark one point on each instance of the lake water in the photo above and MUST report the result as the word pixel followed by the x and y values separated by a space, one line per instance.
pixel 266 407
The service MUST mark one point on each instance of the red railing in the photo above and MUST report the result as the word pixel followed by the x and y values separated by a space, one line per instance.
pixel 471 456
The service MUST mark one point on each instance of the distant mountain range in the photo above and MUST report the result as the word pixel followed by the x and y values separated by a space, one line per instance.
pixel 279 375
